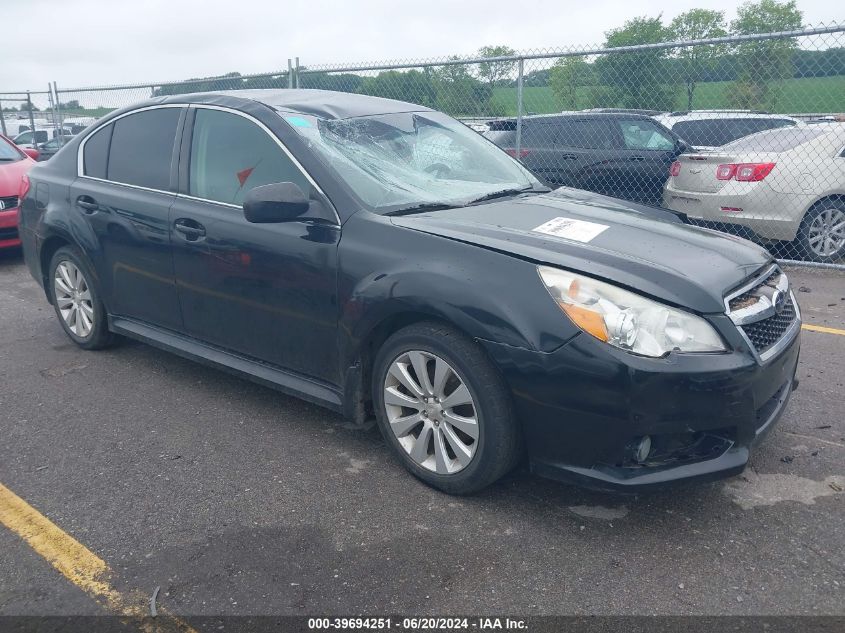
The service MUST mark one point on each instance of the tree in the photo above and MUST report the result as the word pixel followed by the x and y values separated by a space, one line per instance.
pixel 697 24
pixel 566 77
pixel 25 107
pixel 636 79
pixel 459 93
pixel 765 64
pixel 494 72
pixel 411 85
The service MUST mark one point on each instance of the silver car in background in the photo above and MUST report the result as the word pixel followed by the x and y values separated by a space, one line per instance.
pixel 783 184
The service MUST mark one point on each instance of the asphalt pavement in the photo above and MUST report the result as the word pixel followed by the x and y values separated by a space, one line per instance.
pixel 235 499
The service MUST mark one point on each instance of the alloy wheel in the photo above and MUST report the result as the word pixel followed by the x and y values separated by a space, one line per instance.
pixel 826 234
pixel 431 412
pixel 73 298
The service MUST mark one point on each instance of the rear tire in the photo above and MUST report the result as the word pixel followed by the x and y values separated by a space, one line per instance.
pixel 444 409
pixel 76 299
pixel 821 236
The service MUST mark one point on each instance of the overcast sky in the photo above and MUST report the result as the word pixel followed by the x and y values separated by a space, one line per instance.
pixel 101 42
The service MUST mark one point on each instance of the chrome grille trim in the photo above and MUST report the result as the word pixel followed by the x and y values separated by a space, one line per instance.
pixel 763 288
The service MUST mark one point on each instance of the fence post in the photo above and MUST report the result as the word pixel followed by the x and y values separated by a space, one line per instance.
pixel 519 107
pixel 31 118
pixel 59 115
pixel 290 73
pixel 296 77
pixel 2 120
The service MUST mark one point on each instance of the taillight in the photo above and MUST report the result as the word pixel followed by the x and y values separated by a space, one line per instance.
pixel 744 172
pixel 518 155
pixel 725 172
pixel 675 168
pixel 24 188
pixel 752 172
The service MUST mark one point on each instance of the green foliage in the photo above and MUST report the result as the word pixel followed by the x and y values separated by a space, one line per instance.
pixel 765 64
pixel 567 76
pixel 412 85
pixel 636 79
pixel 495 72
pixel 694 61
pixel 459 93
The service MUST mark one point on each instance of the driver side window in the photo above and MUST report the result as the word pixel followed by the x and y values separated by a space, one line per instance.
pixel 641 134
pixel 231 155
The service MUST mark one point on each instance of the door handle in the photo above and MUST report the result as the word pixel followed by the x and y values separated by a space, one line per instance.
pixel 569 157
pixel 190 229
pixel 87 204
pixel 637 158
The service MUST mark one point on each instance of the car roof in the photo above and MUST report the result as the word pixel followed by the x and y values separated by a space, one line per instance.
pixel 325 104
pixel 677 117
pixel 573 114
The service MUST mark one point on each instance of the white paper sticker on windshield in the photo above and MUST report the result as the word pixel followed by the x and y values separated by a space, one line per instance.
pixel 567 228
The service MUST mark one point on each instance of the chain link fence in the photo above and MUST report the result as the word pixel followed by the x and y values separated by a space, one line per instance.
pixel 744 134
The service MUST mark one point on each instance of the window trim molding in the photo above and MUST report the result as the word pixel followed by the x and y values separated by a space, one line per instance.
pixel 80 153
pixel 80 171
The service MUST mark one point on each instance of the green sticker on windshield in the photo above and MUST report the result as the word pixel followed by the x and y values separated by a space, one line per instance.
pixel 298 121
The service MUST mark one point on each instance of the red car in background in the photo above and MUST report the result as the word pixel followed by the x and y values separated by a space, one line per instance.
pixel 14 163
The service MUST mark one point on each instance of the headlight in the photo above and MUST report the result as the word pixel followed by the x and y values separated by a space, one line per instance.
pixel 627 320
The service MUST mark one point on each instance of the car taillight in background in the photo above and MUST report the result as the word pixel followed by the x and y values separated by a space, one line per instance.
pixel 744 172
pixel 675 168
pixel 24 188
pixel 518 155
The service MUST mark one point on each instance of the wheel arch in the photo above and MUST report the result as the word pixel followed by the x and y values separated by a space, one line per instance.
pixel 359 373
pixel 45 255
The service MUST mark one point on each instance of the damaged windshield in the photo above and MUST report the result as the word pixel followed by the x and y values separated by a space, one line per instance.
pixel 404 160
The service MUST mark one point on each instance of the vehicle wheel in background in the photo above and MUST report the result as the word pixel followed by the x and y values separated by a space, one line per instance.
pixel 76 300
pixel 444 409
pixel 821 236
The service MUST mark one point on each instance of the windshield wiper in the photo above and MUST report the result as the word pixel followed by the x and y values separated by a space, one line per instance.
pixel 422 207
pixel 501 194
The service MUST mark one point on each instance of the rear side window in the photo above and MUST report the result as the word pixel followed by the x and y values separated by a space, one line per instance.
pixel 95 156
pixel 585 133
pixel 142 148
pixel 231 155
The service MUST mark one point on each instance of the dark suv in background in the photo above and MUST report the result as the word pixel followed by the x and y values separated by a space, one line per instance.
pixel 618 154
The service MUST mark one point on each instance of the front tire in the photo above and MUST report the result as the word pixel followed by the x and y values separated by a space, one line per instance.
pixel 76 299
pixel 821 236
pixel 444 409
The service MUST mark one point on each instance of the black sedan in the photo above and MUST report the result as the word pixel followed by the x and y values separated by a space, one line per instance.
pixel 383 260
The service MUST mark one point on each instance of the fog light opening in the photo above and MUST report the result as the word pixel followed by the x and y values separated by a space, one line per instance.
pixel 641 449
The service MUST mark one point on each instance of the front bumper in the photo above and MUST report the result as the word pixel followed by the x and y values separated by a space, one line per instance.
pixel 9 236
pixel 584 405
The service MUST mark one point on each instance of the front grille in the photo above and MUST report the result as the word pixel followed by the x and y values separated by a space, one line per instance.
pixel 9 202
pixel 763 334
pixel 750 297
pixel 9 234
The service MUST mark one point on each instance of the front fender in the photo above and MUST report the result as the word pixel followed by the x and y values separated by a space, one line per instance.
pixel 485 294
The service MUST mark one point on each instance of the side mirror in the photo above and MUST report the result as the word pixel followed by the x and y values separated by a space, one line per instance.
pixel 277 202
pixel 32 153
pixel 681 146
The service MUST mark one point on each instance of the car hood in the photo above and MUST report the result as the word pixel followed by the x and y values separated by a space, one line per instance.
pixel 644 248
pixel 10 176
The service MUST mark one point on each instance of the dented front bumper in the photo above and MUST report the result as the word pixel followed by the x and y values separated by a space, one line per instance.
pixel 583 406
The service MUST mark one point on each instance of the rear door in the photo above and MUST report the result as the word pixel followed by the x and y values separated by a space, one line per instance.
pixel 575 152
pixel 648 152
pixel 123 195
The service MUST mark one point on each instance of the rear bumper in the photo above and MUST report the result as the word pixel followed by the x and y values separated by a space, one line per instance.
pixel 768 214
pixel 9 236
pixel 583 406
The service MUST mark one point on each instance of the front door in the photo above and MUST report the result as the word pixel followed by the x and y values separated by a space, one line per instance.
pixel 647 155
pixel 267 291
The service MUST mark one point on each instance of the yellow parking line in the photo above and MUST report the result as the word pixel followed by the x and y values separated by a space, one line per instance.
pixel 76 562
pixel 821 328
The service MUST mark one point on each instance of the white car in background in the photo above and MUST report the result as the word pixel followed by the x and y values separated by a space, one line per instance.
pixel 706 129
pixel 783 184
